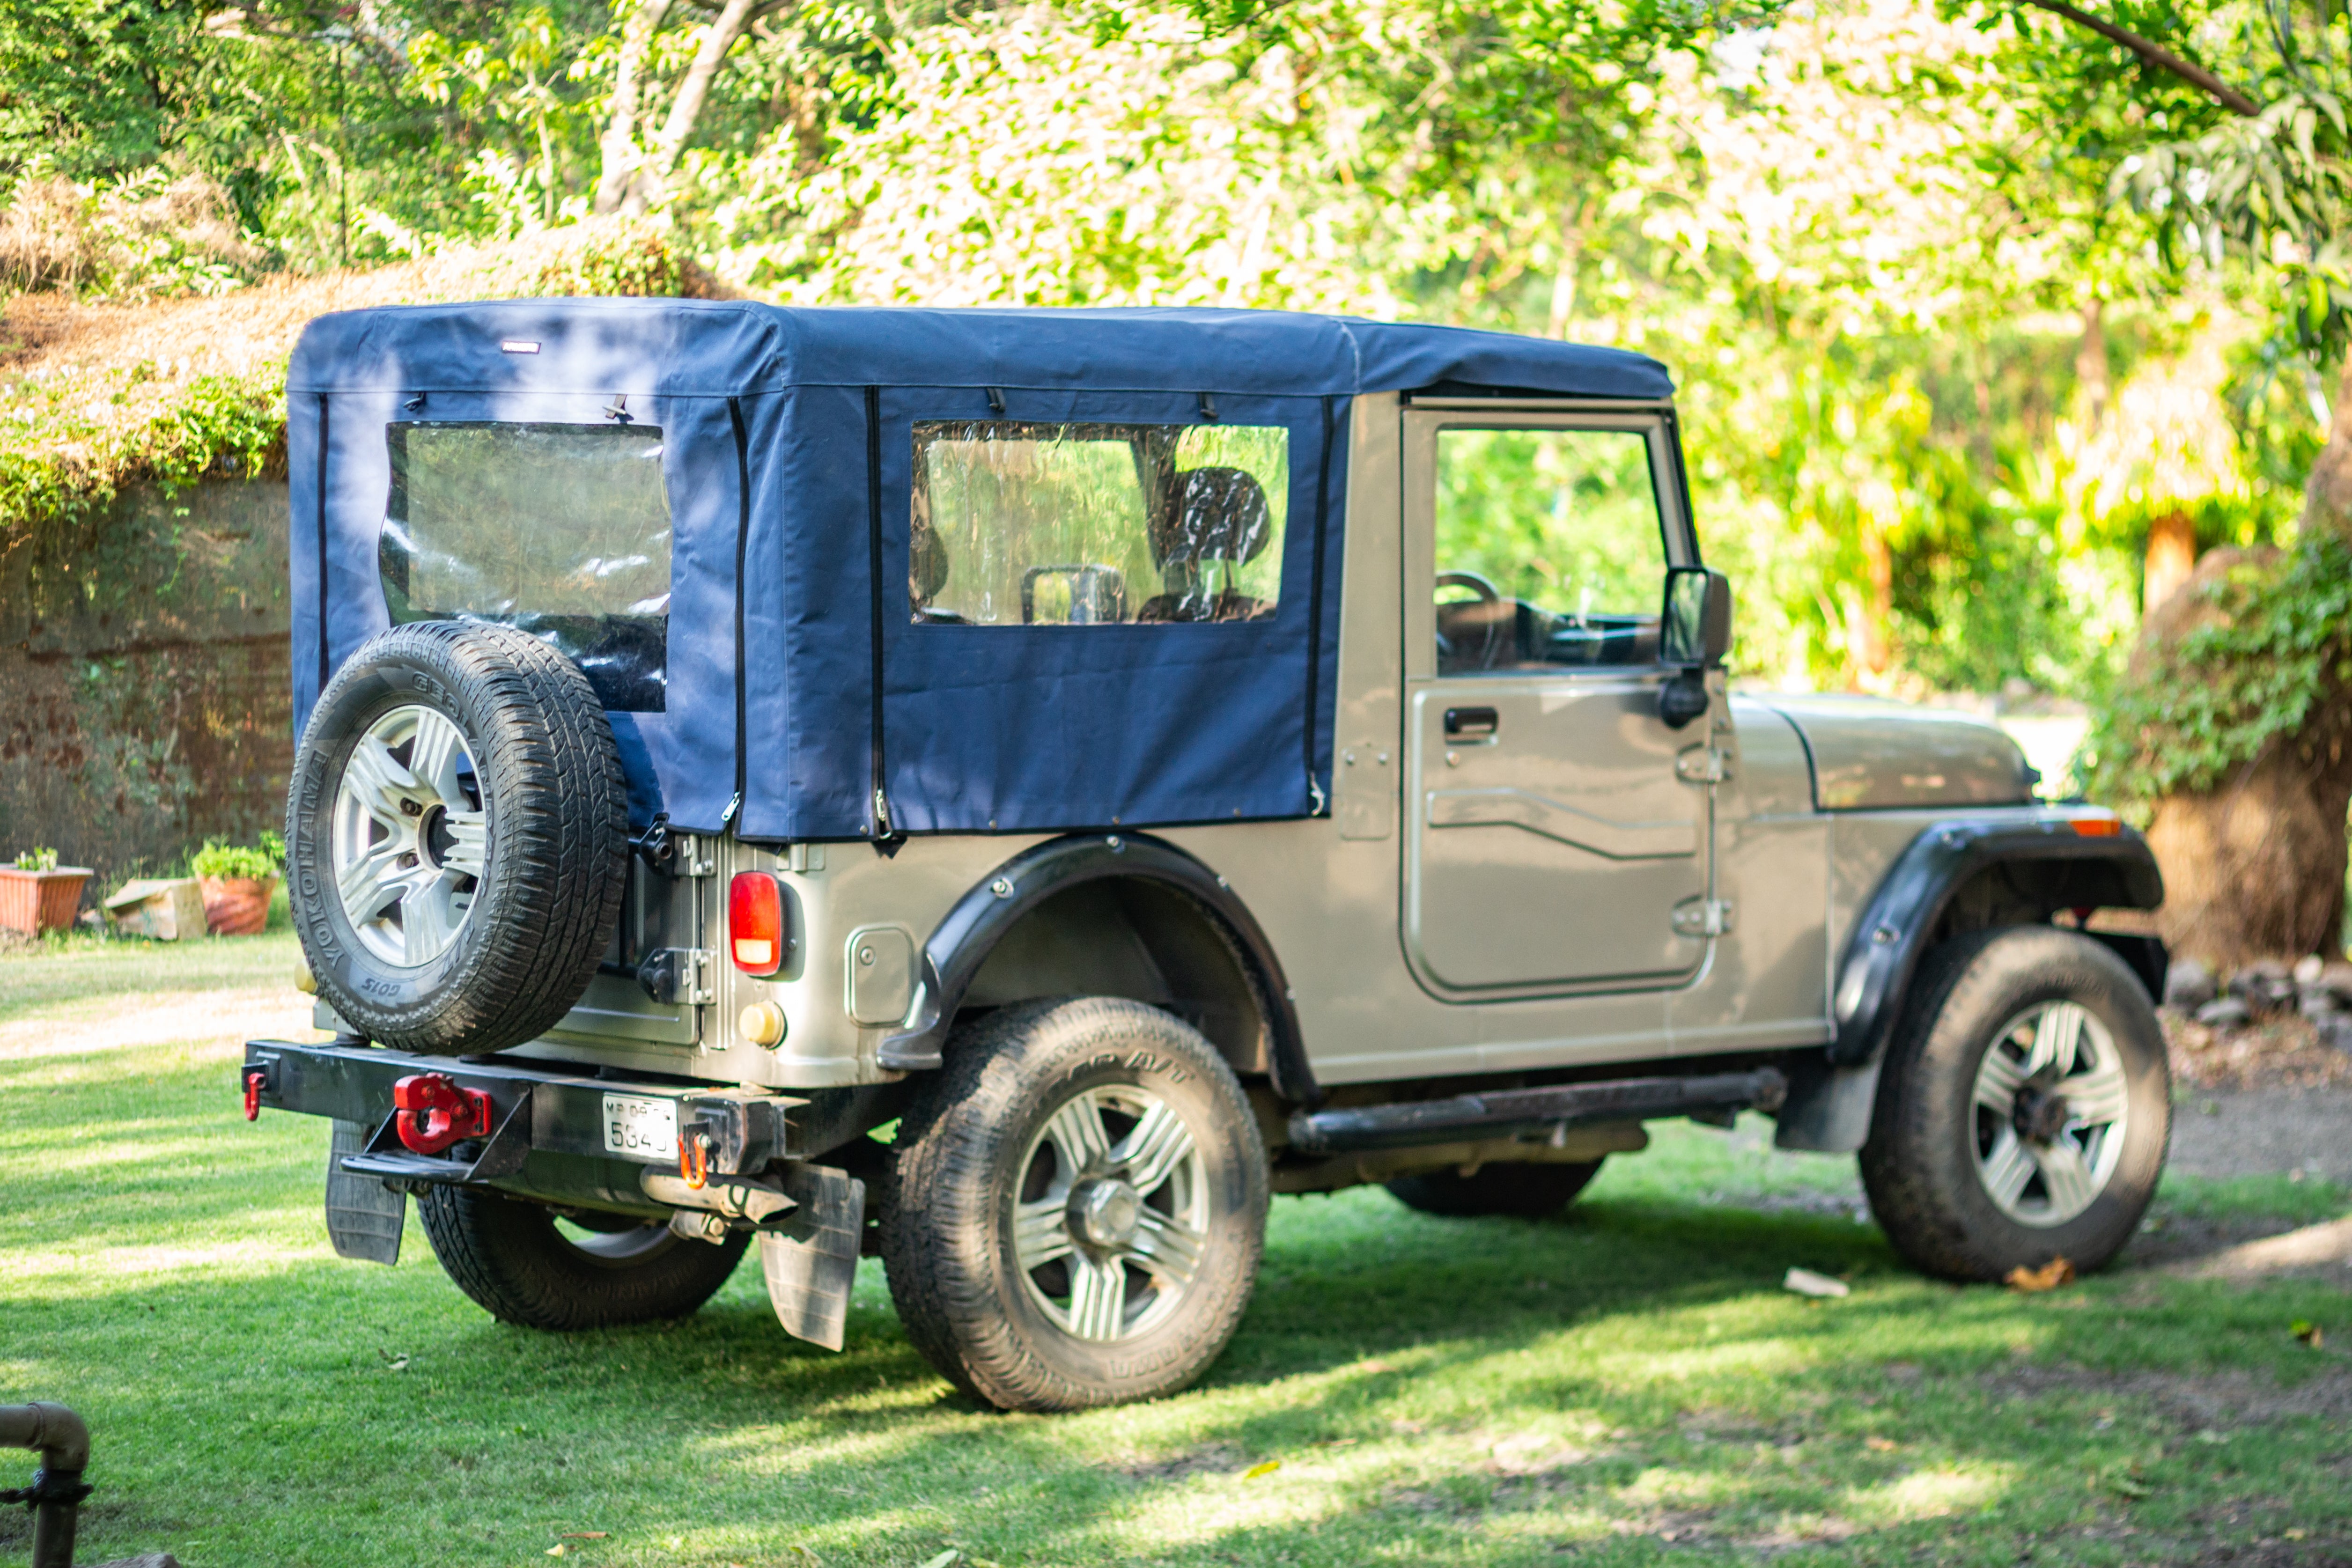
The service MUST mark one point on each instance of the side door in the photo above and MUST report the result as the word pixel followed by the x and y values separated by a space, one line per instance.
pixel 1553 847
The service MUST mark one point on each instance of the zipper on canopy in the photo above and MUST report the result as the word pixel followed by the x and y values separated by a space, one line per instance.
pixel 742 547
pixel 1317 803
pixel 325 660
pixel 874 552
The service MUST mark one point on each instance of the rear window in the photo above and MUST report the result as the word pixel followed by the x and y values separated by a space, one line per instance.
pixel 1021 524
pixel 563 531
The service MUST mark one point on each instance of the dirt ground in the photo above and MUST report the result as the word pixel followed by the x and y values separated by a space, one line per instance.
pixel 2278 1129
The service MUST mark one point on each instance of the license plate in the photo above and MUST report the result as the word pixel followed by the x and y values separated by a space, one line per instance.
pixel 638 1129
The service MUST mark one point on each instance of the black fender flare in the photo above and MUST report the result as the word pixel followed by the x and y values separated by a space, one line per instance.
pixel 2109 867
pixel 962 940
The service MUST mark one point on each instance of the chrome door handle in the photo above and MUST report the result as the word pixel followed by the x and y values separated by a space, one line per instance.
pixel 1470 723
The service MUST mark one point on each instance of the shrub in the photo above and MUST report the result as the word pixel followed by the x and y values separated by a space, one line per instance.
pixel 238 860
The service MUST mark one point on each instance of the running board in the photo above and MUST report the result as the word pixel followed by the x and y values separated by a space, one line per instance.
pixel 1504 1112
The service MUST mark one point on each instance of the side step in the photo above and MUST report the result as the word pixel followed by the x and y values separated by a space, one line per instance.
pixel 1505 1111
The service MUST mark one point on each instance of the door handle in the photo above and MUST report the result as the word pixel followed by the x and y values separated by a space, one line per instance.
pixel 1470 723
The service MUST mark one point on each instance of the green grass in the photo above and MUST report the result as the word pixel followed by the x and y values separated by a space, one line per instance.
pixel 1626 1384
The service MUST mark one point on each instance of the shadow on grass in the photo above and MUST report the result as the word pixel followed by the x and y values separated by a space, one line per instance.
pixel 258 1402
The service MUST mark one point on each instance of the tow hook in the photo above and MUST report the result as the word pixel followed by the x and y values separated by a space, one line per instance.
pixel 252 1083
pixel 694 1159
pixel 431 1111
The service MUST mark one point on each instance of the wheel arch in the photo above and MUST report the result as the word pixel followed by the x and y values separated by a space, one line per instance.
pixel 1974 874
pixel 1116 915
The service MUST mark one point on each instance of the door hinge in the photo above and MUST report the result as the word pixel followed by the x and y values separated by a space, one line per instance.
pixel 1703 764
pixel 676 975
pixel 1703 917
pixel 694 855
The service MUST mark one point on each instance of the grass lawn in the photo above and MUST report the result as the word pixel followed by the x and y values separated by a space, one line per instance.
pixel 1627 1384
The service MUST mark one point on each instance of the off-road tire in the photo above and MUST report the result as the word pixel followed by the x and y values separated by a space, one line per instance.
pixel 510 1257
pixel 961 1155
pixel 555 803
pixel 1919 1163
pixel 1515 1189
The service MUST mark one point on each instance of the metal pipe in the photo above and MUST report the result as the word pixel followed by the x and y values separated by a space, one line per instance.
pixel 63 1442
pixel 1499 1111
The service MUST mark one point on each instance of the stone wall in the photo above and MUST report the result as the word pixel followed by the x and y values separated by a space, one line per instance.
pixel 144 697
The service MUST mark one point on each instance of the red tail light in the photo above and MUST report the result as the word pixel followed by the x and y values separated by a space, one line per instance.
pixel 755 923
pixel 2097 826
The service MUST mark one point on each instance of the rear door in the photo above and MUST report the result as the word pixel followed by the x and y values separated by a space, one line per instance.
pixel 1553 846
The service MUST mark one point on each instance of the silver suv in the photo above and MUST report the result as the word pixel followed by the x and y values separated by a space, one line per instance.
pixel 1011 790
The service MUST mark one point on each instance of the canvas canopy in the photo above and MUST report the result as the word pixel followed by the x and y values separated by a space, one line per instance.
pixel 844 572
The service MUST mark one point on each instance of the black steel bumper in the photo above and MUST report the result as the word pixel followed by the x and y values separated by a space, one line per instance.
pixel 552 1134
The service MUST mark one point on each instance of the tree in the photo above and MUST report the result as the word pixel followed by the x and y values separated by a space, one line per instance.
pixel 2237 714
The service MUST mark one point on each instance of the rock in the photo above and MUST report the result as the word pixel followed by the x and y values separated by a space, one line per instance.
pixel 2338 977
pixel 2190 986
pixel 2335 1029
pixel 2266 986
pixel 2307 968
pixel 2227 1012
pixel 2317 1001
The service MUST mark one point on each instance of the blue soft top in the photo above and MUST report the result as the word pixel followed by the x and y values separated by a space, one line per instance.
pixel 801 700
pixel 719 348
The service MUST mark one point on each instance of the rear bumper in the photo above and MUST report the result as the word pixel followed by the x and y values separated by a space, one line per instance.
pixel 552 1135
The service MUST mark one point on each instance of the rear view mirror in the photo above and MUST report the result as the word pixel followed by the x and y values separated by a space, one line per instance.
pixel 1695 629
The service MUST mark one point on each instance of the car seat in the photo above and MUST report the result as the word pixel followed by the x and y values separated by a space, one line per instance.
pixel 1212 516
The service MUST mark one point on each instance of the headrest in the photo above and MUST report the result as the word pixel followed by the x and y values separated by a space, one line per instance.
pixel 1214 514
pixel 926 563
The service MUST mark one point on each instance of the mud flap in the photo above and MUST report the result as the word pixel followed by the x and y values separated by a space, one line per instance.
pixel 363 1216
pixel 810 1259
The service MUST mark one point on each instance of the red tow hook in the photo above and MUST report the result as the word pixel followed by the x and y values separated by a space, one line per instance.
pixel 252 1083
pixel 432 1112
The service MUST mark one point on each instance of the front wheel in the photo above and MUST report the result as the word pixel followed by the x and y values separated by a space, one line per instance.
pixel 1077 1206
pixel 2023 1110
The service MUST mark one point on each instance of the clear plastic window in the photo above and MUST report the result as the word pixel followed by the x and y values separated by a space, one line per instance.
pixel 1550 550
pixel 561 530
pixel 1097 524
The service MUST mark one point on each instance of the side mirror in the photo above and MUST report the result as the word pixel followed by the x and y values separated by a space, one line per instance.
pixel 1694 628
pixel 1694 633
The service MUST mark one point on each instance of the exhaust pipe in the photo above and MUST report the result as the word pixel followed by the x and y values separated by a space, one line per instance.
pixel 1507 1112
pixel 57 1490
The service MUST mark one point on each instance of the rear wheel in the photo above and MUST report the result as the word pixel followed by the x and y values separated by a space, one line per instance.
pixel 1078 1208
pixel 518 1262
pixel 2023 1110
pixel 1520 1190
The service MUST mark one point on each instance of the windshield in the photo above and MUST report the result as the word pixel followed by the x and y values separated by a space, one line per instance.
pixel 563 531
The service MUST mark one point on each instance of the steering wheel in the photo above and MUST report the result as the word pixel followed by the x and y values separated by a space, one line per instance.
pixel 1492 624
pixel 1486 591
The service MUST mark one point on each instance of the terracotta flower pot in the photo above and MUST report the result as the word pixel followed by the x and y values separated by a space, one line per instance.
pixel 237 906
pixel 37 901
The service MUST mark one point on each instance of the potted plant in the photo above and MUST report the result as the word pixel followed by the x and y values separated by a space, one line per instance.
pixel 237 881
pixel 38 895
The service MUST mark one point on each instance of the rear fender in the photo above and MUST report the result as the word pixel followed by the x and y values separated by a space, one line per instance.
pixel 956 951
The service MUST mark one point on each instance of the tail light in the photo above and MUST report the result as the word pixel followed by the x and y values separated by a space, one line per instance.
pixel 755 923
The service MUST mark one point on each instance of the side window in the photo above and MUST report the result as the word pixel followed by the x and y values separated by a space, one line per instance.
pixel 1097 524
pixel 1550 550
pixel 561 530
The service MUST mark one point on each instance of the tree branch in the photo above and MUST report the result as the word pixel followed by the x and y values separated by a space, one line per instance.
pixel 620 138
pixel 717 37
pixel 2157 55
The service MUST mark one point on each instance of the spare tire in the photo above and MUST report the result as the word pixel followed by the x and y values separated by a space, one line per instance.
pixel 457 836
